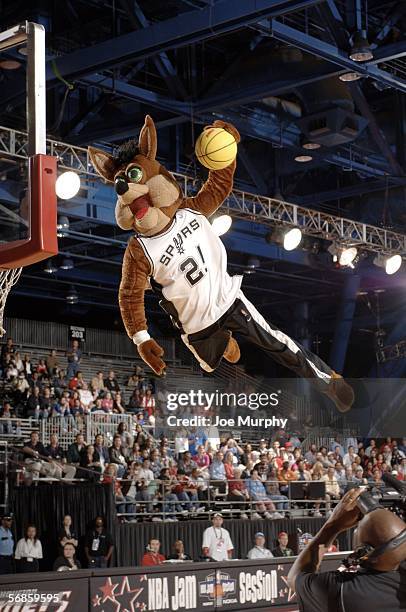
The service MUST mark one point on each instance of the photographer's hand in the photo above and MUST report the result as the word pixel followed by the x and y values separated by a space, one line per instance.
pixel 345 516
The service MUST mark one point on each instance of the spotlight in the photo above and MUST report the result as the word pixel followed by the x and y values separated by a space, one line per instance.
pixel 252 264
pixel 292 239
pixel 62 227
pixel 10 64
pixel 67 264
pixel 344 256
pixel 308 144
pixel 67 185
pixel 302 159
pixel 221 224
pixel 72 296
pixel 50 267
pixel 360 48
pixel 22 51
pixel 348 77
pixel 391 264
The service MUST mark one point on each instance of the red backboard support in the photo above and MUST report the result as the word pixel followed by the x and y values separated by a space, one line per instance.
pixel 42 241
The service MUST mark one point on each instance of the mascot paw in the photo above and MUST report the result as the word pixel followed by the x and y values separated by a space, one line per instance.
pixel 232 352
pixel 341 393
pixel 229 128
pixel 151 353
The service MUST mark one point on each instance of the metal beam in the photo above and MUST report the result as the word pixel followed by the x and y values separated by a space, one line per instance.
pixel 187 28
pixel 252 169
pixel 345 317
pixel 331 53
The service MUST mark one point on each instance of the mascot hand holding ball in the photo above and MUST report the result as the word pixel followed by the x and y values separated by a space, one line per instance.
pixel 175 251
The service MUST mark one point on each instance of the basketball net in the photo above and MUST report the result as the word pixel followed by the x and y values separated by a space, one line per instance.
pixel 8 279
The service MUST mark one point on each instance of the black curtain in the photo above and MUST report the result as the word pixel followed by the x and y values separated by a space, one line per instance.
pixel 45 505
pixel 132 538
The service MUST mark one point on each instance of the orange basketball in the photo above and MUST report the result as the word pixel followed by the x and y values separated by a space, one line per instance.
pixel 216 148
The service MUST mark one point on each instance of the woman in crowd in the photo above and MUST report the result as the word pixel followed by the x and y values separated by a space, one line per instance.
pixel 107 403
pixel 118 407
pixel 67 535
pixel 28 551
pixel 90 462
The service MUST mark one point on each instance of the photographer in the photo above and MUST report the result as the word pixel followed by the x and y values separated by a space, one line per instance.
pixel 379 585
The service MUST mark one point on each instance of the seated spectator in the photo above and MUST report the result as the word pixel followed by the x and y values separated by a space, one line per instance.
pixel 273 490
pixel 76 382
pixel 98 545
pixel 86 398
pixel 117 456
pixel 97 384
pixel 107 403
pixel 74 452
pixel 52 362
pixel 285 476
pixel 178 553
pixel 118 407
pixel 7 348
pixel 218 472
pixel 27 365
pixel 102 450
pixel 67 561
pixel 57 456
pixel 152 555
pixel 111 383
pixel 237 492
pixel 20 388
pixel 124 503
pixel 259 551
pixel 132 382
pixel 134 404
pixel 18 362
pixel 332 487
pixel 28 551
pixel 257 493
pixel 148 403
pixel 155 463
pixel 41 367
pixel 35 458
pixel 6 425
pixel 170 500
pixel 282 549
pixel 90 462
pixel 59 382
pixel 187 464
pixel 67 535
pixel 201 459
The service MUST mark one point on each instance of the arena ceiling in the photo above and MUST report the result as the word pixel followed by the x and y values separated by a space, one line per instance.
pixel 273 68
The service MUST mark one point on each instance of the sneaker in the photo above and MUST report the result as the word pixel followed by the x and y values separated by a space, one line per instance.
pixel 255 516
pixel 244 516
pixel 317 514
pixel 185 512
pixel 156 519
pixel 340 392
pixel 277 515
pixel 200 509
pixel 329 513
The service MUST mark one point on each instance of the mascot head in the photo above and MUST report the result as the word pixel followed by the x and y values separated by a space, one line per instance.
pixel 148 195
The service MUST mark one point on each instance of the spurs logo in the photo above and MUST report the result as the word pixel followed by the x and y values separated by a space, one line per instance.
pixel 178 241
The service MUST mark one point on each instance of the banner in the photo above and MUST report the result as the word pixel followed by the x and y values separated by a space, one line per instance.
pixel 47 596
pixel 77 333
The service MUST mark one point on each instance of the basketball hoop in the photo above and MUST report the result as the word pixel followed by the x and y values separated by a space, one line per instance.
pixel 8 278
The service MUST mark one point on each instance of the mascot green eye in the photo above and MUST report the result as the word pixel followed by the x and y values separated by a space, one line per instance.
pixel 134 174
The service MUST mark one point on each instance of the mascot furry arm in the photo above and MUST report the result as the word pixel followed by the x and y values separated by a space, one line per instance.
pixel 159 193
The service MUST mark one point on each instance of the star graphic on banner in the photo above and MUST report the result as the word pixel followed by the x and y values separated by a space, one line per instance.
pixel 127 596
pixel 108 591
pixel 291 594
pixel 96 601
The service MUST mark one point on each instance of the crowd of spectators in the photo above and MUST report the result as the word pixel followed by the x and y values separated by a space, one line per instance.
pixel 56 387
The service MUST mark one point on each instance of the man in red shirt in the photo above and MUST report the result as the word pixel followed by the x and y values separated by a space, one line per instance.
pixel 152 556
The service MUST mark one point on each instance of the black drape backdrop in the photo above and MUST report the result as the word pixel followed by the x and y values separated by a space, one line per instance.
pixel 132 538
pixel 46 504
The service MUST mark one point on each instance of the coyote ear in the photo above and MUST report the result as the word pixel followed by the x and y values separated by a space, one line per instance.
pixel 147 141
pixel 103 163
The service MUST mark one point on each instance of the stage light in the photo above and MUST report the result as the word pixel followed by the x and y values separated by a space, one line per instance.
pixel 349 77
pixel 10 64
pixel 67 185
pixel 67 264
pixel 50 267
pixel 292 239
pixel 391 264
pixel 308 144
pixel 302 159
pixel 221 224
pixel 360 48
pixel 72 296
pixel 62 227
pixel 342 255
pixel 252 264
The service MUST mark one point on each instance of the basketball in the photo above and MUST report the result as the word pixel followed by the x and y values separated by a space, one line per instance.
pixel 216 148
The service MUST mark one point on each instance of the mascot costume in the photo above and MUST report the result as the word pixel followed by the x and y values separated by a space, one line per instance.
pixel 176 253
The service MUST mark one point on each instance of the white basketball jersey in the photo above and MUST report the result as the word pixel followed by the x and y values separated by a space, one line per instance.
pixel 189 269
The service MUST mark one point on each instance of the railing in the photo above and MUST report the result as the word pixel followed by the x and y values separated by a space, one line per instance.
pixel 89 425
pixel 154 503
pixel 15 428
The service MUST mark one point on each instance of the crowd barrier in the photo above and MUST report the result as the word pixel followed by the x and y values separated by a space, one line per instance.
pixel 232 585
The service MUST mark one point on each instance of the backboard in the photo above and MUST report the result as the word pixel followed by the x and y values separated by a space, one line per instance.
pixel 28 210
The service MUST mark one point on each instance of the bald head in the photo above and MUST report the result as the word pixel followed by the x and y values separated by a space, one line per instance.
pixel 377 528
